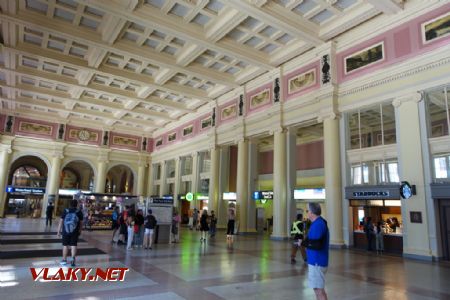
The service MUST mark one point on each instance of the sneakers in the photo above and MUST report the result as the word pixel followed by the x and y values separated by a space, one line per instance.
pixel 72 264
pixel 293 261
pixel 63 262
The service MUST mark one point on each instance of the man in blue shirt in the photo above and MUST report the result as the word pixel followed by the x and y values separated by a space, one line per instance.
pixel 317 244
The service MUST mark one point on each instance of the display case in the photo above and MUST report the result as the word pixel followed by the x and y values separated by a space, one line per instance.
pixel 101 221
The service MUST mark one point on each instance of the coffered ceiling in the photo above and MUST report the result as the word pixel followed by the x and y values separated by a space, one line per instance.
pixel 138 65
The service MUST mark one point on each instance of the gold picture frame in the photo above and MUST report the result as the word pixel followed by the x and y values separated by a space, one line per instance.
pixel 205 123
pixel 35 128
pixel 228 112
pixel 302 81
pixel 436 28
pixel 188 130
pixel 364 58
pixel 260 99
pixel 172 137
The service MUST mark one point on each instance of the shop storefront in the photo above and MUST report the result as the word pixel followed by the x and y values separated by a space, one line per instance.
pixel 98 208
pixel 440 192
pixel 24 201
pixel 382 204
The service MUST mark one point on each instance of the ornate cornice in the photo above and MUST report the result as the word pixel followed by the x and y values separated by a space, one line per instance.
pixel 396 76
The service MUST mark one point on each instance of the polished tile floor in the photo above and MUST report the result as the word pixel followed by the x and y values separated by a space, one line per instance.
pixel 255 268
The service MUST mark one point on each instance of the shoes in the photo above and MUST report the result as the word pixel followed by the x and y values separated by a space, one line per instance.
pixel 150 248
pixel 129 248
pixel 72 264
pixel 293 261
pixel 63 262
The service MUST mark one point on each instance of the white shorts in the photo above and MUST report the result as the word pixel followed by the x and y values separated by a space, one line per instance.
pixel 316 276
pixel 148 231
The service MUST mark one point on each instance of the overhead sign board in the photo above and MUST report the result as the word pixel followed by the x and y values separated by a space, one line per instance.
pixel 25 190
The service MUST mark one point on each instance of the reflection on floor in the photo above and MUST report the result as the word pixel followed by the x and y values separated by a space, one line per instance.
pixel 256 268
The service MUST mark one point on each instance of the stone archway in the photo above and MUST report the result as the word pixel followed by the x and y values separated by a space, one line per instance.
pixel 77 174
pixel 28 179
pixel 120 180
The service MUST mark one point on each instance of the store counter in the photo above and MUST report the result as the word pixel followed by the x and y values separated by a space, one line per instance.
pixel 393 242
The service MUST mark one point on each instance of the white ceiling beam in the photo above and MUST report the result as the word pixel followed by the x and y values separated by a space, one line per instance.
pixel 148 15
pixel 126 49
pixel 101 104
pixel 389 7
pixel 227 20
pixel 281 18
pixel 164 75
pixel 110 72
pixel 188 54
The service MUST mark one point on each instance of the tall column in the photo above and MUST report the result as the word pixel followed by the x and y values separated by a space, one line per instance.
pixel 51 194
pixel 163 186
pixel 141 178
pixel 214 180
pixel 253 179
pixel 332 172
pixel 416 241
pixel 279 186
pixel 195 177
pixel 177 184
pixel 150 180
pixel 5 151
pixel 242 185
pixel 100 181
pixel 224 171
pixel 291 182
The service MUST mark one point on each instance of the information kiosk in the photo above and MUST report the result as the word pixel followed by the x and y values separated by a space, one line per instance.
pixel 162 209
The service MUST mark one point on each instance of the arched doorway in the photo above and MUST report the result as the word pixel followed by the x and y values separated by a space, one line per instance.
pixel 27 180
pixel 119 180
pixel 75 176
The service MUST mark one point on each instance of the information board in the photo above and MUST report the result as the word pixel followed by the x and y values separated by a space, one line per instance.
pixel 163 214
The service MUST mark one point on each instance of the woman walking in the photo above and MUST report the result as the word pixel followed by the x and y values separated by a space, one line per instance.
pixel 230 225
pixel 204 228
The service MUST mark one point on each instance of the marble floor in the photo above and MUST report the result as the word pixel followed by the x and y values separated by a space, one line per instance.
pixel 255 268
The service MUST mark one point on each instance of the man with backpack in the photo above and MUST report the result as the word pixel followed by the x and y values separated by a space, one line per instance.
pixel 150 225
pixel 70 228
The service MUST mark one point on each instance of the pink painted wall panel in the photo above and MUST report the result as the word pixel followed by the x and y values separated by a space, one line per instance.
pixel 35 128
pixel 249 109
pixel 150 145
pixel 219 117
pixel 125 141
pixel 309 156
pixel 400 43
pixel 70 135
pixel 285 81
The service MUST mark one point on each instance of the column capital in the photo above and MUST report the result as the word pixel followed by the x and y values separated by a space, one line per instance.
pixel 415 97
pixel 277 130
pixel 327 115
pixel 57 154
pixel 6 148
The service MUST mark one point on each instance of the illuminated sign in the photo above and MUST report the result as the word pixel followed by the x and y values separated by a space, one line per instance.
pixel 229 196
pixel 25 190
pixel 309 194
pixel 260 195
pixel 189 196
pixel 201 197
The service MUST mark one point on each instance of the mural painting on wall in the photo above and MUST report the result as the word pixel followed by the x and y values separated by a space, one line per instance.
pixel 260 99
pixel 125 141
pixel 159 142
pixel 172 137
pixel 364 58
pixel 188 130
pixel 75 134
pixel 436 28
pixel 68 180
pixel 35 128
pixel 228 112
pixel 206 123
pixel 302 81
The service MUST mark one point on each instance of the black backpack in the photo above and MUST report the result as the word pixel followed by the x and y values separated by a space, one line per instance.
pixel 150 222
